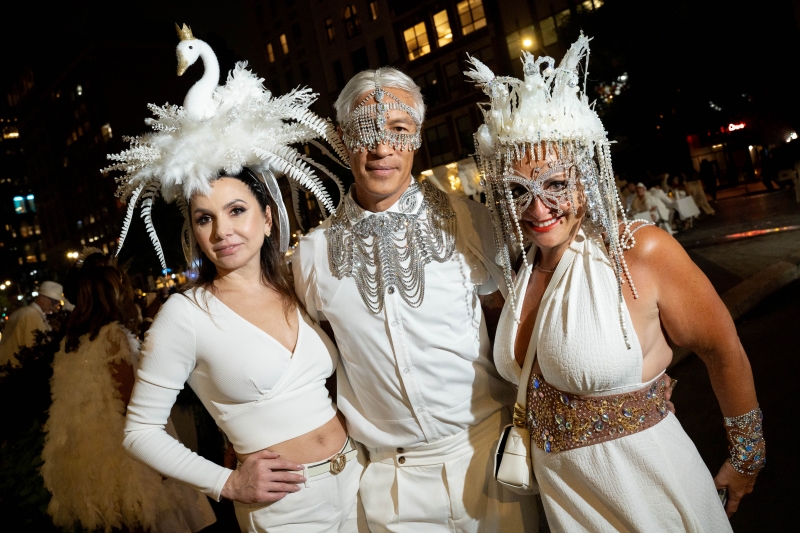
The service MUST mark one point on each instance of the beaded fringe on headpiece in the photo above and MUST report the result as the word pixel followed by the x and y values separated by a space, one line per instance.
pixel 546 117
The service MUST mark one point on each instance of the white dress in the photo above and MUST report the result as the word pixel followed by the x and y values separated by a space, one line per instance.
pixel 653 480
pixel 92 479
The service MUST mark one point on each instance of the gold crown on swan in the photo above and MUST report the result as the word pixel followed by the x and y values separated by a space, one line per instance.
pixel 185 33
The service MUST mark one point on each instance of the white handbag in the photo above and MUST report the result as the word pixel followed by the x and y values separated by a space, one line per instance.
pixel 512 459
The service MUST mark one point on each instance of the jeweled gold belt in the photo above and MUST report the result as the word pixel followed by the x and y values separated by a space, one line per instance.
pixel 561 421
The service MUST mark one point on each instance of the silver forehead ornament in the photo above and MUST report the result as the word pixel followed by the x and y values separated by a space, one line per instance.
pixel 365 128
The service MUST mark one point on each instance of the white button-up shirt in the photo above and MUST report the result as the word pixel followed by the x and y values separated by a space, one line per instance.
pixel 411 376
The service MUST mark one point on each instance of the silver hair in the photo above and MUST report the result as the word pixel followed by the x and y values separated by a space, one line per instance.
pixel 364 82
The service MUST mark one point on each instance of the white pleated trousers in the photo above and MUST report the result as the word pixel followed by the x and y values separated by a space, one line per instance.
pixel 447 486
pixel 326 503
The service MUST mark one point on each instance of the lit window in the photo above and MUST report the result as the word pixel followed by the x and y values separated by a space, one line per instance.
pixel 106 131
pixel 10 132
pixel 284 44
pixel 351 22
pixel 19 205
pixel 588 5
pixel 270 53
pixel 471 15
pixel 373 10
pixel 417 41
pixel 31 203
pixel 442 23
pixel 37 229
pixel 330 30
pixel 549 33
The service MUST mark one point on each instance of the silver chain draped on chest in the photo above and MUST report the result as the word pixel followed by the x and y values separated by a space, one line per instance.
pixel 389 251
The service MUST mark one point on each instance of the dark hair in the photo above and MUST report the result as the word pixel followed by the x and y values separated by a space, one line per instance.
pixel 275 272
pixel 104 296
pixel 74 274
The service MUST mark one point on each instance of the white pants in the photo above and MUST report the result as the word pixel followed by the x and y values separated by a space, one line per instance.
pixel 326 503
pixel 447 486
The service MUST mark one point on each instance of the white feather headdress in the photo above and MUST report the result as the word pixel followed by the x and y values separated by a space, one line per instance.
pixel 240 124
pixel 547 115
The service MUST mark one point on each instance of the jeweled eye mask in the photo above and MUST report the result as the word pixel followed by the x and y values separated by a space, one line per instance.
pixel 553 186
pixel 366 126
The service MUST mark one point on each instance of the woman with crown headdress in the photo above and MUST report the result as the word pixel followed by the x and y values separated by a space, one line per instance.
pixel 237 335
pixel 589 348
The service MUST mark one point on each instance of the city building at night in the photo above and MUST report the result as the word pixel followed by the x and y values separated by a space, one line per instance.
pixel 65 127
pixel 22 253
pixel 323 44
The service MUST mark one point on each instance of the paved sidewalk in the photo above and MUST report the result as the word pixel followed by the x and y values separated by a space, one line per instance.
pixel 748 250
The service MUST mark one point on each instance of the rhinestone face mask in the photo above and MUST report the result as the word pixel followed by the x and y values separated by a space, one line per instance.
pixel 554 186
pixel 366 126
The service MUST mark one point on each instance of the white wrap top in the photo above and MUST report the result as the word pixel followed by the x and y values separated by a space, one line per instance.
pixel 258 392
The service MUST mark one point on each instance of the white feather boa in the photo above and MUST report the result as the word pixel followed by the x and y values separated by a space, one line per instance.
pixel 92 479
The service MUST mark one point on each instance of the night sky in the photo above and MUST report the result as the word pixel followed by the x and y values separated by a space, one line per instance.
pixel 48 36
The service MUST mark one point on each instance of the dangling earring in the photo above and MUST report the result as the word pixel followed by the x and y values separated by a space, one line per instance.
pixel 268 232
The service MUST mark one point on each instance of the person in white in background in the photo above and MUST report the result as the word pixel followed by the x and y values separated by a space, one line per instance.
pixel 665 206
pixel 399 273
pixel 645 202
pixel 25 322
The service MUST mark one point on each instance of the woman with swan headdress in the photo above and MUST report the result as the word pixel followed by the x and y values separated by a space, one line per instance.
pixel 587 347
pixel 238 335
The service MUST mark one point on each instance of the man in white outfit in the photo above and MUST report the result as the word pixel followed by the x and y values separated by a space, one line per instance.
pixel 23 323
pixel 399 273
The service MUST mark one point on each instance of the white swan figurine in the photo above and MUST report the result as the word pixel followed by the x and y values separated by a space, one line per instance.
pixel 200 102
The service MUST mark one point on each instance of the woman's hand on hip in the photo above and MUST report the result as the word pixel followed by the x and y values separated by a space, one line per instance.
pixel 738 485
pixel 263 477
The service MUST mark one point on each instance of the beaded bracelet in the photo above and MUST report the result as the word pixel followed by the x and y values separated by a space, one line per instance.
pixel 746 435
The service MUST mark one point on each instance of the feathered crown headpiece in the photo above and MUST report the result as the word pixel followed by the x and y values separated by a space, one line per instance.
pixel 222 129
pixel 548 105
pixel 545 117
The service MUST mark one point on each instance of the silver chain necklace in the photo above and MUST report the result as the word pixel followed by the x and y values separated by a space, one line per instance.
pixel 388 251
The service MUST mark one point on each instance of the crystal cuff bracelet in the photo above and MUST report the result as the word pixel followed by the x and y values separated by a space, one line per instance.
pixel 746 435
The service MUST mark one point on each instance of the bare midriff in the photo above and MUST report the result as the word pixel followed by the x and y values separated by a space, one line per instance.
pixel 314 446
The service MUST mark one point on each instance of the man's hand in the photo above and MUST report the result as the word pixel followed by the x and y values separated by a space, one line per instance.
pixel 263 477
pixel 738 486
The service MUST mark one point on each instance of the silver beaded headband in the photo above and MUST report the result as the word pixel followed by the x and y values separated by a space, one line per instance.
pixel 366 126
